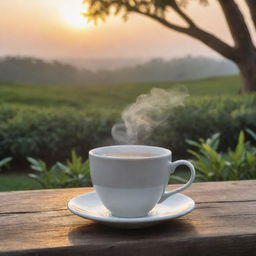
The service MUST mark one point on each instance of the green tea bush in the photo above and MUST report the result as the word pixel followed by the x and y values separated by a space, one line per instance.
pixel 51 133
pixel 203 116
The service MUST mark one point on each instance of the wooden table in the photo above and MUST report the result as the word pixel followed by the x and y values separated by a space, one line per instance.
pixel 223 223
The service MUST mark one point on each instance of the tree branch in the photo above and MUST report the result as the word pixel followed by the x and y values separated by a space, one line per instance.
pixel 182 14
pixel 237 25
pixel 156 10
pixel 210 40
pixel 159 19
pixel 214 43
pixel 252 8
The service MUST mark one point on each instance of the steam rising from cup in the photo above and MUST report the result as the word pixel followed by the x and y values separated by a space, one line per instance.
pixel 150 110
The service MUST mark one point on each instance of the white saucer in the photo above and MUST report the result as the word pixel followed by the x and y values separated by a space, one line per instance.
pixel 90 207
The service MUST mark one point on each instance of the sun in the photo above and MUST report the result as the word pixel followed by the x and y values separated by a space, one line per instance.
pixel 72 13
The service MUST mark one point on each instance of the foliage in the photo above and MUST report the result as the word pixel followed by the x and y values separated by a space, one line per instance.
pixel 202 117
pixel 156 9
pixel 5 161
pixel 75 173
pixel 51 133
pixel 47 122
pixel 211 165
pixel 101 98
pixel 53 177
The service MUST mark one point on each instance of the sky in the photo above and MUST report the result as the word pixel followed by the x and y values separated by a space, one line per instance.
pixel 55 29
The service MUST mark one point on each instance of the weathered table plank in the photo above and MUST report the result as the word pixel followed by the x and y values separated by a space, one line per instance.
pixel 223 223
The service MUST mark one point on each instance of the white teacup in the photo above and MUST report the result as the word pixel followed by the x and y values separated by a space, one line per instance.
pixel 131 179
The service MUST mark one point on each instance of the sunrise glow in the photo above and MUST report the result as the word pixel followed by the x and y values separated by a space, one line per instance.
pixel 72 13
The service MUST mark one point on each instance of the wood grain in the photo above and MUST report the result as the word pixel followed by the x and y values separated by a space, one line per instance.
pixel 223 223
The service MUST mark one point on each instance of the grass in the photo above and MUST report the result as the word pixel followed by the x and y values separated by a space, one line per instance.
pixel 107 97
pixel 17 181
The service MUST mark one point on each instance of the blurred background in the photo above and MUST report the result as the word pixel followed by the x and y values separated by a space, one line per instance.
pixel 68 68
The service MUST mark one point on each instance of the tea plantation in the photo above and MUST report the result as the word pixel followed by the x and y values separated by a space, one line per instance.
pixel 47 122
pixel 105 98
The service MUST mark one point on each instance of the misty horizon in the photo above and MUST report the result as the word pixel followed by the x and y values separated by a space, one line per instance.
pixel 111 63
pixel 37 71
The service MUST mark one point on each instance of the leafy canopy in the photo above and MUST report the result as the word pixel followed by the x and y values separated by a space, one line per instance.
pixel 101 9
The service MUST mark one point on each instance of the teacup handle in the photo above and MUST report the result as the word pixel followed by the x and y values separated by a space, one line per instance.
pixel 173 166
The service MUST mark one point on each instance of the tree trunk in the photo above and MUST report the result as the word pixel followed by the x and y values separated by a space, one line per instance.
pixel 247 68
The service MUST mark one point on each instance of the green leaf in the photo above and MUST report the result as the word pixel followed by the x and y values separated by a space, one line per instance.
pixel 73 174
pixel 34 176
pixel 192 143
pixel 178 179
pixel 240 148
pixel 253 134
pixel 32 160
pixel 5 161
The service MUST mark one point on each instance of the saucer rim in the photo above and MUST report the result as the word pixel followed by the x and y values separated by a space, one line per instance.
pixel 114 219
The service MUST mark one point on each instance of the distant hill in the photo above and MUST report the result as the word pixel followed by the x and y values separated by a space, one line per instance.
pixel 95 64
pixel 29 70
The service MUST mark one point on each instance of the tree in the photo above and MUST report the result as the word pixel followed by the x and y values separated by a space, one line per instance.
pixel 243 52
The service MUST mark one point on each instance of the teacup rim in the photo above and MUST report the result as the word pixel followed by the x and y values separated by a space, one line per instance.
pixel 167 153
